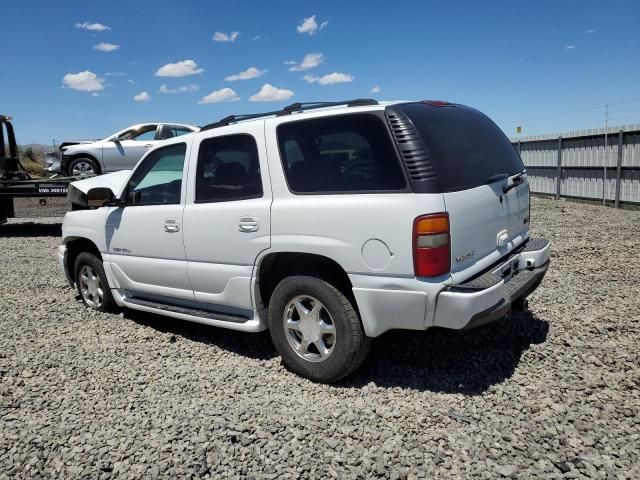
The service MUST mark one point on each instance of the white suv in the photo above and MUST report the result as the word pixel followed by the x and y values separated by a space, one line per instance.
pixel 328 224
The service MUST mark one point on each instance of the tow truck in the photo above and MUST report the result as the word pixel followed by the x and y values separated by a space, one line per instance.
pixel 16 182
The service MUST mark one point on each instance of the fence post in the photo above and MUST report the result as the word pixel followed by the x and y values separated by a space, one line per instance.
pixel 619 167
pixel 559 171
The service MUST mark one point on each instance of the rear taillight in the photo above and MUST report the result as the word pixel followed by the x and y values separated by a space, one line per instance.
pixel 431 245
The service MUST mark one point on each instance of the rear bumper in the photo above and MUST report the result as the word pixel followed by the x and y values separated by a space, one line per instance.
pixel 387 303
pixel 490 295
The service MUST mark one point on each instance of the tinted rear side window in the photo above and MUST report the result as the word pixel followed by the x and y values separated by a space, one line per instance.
pixel 348 153
pixel 464 145
pixel 228 169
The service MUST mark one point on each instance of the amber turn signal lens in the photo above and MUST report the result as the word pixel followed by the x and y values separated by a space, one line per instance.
pixel 433 224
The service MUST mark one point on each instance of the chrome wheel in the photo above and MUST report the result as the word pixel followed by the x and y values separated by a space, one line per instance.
pixel 309 328
pixel 90 287
pixel 82 168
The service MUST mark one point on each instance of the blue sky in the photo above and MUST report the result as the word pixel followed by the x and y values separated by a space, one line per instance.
pixel 545 65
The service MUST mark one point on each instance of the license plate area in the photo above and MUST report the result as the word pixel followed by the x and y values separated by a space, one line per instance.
pixel 507 270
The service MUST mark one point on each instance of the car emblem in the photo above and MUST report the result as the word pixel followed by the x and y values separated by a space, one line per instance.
pixel 464 256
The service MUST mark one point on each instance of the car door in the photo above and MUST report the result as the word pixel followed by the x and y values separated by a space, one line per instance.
pixel 144 237
pixel 227 214
pixel 124 151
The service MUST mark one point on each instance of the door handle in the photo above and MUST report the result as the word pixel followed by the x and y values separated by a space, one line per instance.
pixel 171 226
pixel 248 224
pixel 148 145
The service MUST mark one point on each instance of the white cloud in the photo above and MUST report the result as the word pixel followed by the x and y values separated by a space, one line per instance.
pixel 589 31
pixel 83 81
pixel 106 47
pixel 375 89
pixel 142 97
pixel 310 60
pixel 225 37
pixel 116 74
pixel 257 37
pixel 290 62
pixel 94 27
pixel 310 26
pixel 131 81
pixel 269 93
pixel 192 87
pixel 95 94
pixel 249 73
pixel 222 95
pixel 570 47
pixel 183 68
pixel 330 79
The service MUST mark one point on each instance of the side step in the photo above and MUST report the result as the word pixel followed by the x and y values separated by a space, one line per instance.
pixel 186 311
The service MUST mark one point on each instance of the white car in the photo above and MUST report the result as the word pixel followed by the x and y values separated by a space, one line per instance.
pixel 120 151
pixel 328 224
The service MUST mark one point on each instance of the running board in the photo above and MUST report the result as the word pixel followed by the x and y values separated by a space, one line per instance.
pixel 185 310
pixel 257 323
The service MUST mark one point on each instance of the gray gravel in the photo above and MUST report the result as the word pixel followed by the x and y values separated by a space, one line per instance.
pixel 551 393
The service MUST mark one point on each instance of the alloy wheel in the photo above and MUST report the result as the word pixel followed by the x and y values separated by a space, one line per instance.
pixel 91 287
pixel 309 328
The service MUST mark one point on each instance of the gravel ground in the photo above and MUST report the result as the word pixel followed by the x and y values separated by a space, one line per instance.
pixel 549 393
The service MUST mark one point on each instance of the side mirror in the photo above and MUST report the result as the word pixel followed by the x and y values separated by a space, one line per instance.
pixel 99 197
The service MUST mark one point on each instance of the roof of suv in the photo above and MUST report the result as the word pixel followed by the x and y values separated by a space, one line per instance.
pixel 301 110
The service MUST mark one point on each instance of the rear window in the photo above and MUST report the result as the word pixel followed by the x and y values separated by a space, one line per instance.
pixel 465 146
pixel 348 153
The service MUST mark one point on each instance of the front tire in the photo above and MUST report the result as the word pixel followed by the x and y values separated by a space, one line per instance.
pixel 316 329
pixel 91 282
pixel 83 166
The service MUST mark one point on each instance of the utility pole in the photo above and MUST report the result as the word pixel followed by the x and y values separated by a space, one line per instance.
pixel 606 156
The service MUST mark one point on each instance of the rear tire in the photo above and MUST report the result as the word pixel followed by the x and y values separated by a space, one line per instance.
pixel 83 166
pixel 92 285
pixel 316 329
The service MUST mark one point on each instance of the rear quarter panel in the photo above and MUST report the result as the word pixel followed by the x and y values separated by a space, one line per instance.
pixel 366 233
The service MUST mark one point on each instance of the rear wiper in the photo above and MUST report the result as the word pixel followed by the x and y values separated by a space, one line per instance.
pixel 495 178
pixel 513 182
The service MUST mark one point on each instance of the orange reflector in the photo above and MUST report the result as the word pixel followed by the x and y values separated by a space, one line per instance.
pixel 432 224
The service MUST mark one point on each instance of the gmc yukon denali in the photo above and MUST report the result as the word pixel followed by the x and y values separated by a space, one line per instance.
pixel 326 223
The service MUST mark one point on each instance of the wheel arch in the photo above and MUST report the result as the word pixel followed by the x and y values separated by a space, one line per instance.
pixel 75 246
pixel 86 155
pixel 275 266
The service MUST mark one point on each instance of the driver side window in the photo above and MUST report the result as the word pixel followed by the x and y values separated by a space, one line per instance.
pixel 158 179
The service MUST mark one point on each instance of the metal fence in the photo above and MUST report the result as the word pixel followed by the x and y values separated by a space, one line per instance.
pixel 589 164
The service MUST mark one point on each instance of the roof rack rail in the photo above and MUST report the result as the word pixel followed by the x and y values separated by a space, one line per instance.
pixel 294 107
pixel 358 102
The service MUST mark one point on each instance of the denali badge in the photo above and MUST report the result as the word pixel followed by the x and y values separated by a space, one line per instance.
pixel 465 256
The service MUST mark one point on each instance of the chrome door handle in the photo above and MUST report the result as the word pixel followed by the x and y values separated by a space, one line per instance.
pixel 148 145
pixel 248 224
pixel 171 226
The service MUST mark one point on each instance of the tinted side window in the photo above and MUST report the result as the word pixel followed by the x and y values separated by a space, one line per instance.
pixel 348 153
pixel 228 169
pixel 465 146
pixel 158 180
